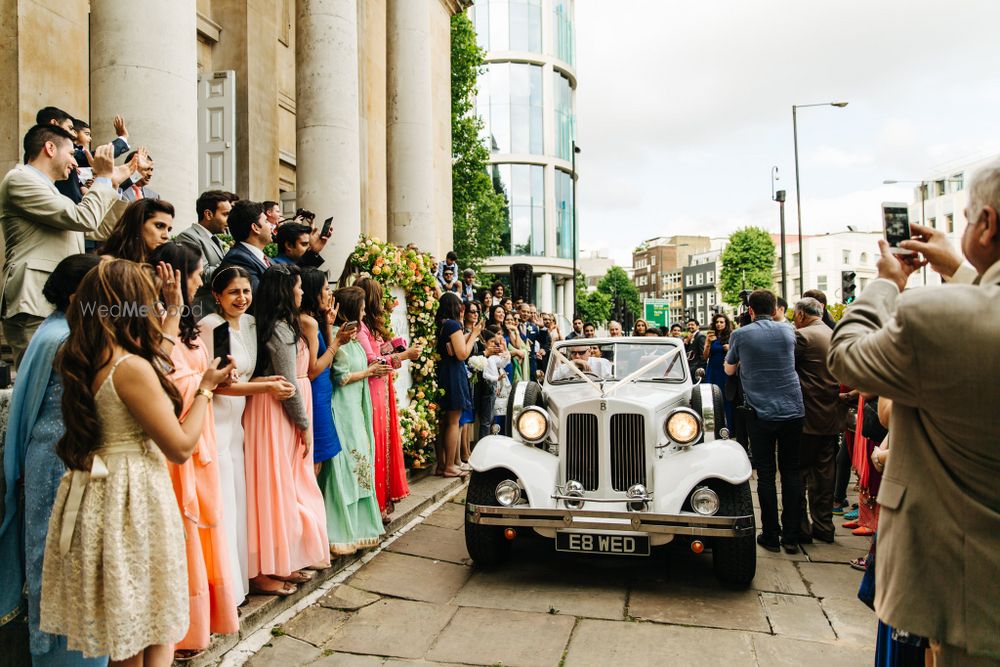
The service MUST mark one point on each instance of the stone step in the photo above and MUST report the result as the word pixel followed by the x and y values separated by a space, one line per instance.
pixel 259 611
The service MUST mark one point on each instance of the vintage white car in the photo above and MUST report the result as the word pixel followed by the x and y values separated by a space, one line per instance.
pixel 619 451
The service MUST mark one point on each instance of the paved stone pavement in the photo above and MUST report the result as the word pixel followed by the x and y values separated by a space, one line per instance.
pixel 421 602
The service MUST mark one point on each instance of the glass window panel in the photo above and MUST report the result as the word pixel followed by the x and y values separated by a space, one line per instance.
pixel 521 230
pixel 518 26
pixel 481 21
pixel 520 130
pixel 499 27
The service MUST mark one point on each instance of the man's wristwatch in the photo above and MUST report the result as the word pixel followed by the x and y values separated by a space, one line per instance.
pixel 206 393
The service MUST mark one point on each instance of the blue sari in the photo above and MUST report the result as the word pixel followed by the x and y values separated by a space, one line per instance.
pixel 34 427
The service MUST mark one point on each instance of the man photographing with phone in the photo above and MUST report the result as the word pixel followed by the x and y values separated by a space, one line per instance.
pixel 939 497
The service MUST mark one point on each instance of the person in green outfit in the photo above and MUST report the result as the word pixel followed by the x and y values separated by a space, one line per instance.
pixel 353 520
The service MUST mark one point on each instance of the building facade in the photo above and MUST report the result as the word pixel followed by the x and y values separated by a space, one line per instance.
pixel 526 99
pixel 702 297
pixel 939 201
pixel 338 106
pixel 826 256
pixel 659 264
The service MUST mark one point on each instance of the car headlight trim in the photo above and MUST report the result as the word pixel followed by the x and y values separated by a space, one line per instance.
pixel 705 501
pixel 533 424
pixel 508 492
pixel 683 426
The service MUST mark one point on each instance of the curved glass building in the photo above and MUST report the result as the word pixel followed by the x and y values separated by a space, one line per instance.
pixel 526 100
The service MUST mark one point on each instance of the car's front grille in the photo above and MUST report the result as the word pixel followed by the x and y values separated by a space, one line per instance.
pixel 628 451
pixel 581 447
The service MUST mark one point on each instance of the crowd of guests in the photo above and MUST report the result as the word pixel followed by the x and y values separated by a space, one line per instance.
pixel 191 422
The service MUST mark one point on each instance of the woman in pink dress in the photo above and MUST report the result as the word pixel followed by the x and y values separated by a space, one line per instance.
pixel 211 582
pixel 374 336
pixel 286 517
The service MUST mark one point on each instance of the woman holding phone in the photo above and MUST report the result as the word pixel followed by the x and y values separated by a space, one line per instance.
pixel 286 522
pixel 212 584
pixel 234 332
pixel 353 519
pixel 716 348
pixel 454 345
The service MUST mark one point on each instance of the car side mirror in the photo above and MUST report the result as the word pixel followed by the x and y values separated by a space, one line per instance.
pixel 699 375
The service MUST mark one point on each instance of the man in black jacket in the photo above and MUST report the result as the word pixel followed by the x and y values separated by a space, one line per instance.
pixel 293 242
pixel 251 232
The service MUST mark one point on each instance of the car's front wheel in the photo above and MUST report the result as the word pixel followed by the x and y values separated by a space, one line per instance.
pixel 486 544
pixel 734 559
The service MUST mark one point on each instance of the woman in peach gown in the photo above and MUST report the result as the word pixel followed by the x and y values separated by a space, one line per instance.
pixel 211 581
pixel 286 518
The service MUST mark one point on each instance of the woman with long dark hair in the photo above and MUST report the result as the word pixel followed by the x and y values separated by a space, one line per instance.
pixel 716 348
pixel 212 584
pixel 353 520
pixel 518 350
pixel 375 337
pixel 286 525
pixel 34 426
pixel 316 317
pixel 454 346
pixel 144 226
pixel 114 579
pixel 233 297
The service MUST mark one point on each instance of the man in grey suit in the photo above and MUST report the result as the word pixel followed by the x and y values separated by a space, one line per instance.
pixel 821 400
pixel 939 529
pixel 213 208
pixel 139 189
pixel 41 226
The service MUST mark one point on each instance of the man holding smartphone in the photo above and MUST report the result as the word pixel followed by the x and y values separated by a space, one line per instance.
pixel 939 523
pixel 294 246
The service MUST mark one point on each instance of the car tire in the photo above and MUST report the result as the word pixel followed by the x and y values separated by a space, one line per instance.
pixel 734 559
pixel 486 545
pixel 532 396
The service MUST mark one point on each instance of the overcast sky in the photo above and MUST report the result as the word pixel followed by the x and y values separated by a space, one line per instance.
pixel 683 107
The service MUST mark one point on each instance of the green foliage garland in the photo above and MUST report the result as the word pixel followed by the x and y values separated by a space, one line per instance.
pixel 413 271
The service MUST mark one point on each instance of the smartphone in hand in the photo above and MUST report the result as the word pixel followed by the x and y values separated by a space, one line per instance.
pixel 896 225
pixel 327 224
pixel 220 343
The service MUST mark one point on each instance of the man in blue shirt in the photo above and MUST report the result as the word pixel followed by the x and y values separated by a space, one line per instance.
pixel 763 352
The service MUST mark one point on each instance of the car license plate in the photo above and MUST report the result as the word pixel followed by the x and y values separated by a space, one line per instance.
pixel 618 544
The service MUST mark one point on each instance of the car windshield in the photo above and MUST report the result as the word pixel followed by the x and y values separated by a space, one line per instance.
pixel 602 360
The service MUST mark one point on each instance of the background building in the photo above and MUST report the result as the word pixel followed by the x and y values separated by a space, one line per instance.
pixel 826 255
pixel 339 106
pixel 594 265
pixel 702 298
pixel 526 100
pixel 939 201
pixel 659 264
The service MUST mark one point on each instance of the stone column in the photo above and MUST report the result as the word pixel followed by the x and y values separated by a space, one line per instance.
pixel 410 129
pixel 144 66
pixel 561 298
pixel 327 143
pixel 545 288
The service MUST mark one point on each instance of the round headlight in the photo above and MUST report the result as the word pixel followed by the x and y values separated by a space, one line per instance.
pixel 683 426
pixel 705 501
pixel 508 492
pixel 533 424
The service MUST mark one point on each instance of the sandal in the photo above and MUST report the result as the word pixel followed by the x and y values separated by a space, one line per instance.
pixel 298 577
pixel 463 474
pixel 851 525
pixel 287 588
pixel 185 655
pixel 863 531
pixel 860 563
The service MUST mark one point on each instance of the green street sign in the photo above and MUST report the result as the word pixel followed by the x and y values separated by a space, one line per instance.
pixel 657 311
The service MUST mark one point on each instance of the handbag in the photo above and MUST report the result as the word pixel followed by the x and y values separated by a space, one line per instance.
pixel 871 427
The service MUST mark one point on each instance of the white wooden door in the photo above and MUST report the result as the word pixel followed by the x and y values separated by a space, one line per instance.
pixel 217 131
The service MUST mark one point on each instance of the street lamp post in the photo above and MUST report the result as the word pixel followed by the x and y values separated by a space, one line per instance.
pixel 576 150
pixel 779 196
pixel 798 195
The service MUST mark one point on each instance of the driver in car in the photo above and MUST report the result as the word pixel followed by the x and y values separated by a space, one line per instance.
pixel 580 356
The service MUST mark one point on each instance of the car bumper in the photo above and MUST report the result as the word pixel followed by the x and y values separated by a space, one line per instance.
pixel 556 519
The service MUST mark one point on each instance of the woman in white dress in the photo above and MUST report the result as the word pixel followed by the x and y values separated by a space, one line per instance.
pixel 233 296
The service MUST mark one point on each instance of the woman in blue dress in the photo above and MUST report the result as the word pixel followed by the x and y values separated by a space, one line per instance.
pixel 34 427
pixel 317 314
pixel 716 348
pixel 454 346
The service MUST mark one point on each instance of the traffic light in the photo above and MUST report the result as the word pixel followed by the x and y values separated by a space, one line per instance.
pixel 847 286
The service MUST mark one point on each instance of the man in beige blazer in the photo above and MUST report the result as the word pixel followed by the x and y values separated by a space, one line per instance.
pixel 938 564
pixel 41 226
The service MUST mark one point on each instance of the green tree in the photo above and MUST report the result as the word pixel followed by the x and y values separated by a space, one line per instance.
pixel 479 205
pixel 747 263
pixel 594 307
pixel 616 285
